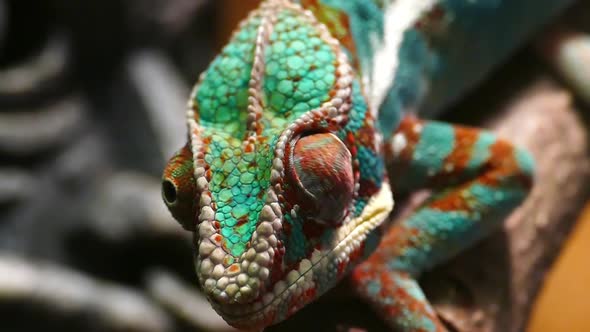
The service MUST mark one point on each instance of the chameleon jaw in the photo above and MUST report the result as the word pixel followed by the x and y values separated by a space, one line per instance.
pixel 314 275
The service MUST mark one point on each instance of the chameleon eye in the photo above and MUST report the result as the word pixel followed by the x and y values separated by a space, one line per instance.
pixel 322 176
pixel 169 192
pixel 178 188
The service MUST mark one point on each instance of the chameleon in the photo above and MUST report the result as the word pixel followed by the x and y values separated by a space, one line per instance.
pixel 308 122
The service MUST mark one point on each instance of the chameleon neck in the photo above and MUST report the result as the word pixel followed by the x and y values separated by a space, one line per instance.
pixel 421 55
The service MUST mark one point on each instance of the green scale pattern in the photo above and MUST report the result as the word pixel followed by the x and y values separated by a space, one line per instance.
pixel 299 68
pixel 299 74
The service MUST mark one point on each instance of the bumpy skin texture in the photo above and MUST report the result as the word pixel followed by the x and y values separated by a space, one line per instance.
pixel 270 236
pixel 295 141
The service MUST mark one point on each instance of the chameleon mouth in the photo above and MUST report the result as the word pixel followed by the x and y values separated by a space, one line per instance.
pixel 314 275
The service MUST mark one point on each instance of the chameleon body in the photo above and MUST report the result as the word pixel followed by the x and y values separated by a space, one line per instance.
pixel 303 124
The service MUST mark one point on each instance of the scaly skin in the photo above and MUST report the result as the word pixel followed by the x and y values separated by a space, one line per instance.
pixel 286 178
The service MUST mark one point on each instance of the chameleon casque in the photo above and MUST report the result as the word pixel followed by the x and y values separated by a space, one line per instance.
pixel 303 126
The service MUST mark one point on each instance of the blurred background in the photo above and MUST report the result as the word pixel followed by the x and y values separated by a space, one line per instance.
pixel 92 102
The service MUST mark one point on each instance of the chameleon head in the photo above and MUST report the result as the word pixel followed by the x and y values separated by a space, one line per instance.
pixel 281 181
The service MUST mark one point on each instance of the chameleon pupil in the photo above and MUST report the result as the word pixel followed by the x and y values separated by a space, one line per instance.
pixel 169 192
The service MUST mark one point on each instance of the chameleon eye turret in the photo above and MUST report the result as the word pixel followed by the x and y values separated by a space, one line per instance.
pixel 178 188
pixel 321 173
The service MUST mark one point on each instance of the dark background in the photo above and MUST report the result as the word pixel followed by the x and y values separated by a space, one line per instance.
pixel 92 97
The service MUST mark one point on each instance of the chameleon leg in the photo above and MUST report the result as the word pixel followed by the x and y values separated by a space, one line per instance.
pixel 569 53
pixel 397 297
pixel 476 180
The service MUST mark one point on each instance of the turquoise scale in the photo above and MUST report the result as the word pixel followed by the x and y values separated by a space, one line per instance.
pixel 299 74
